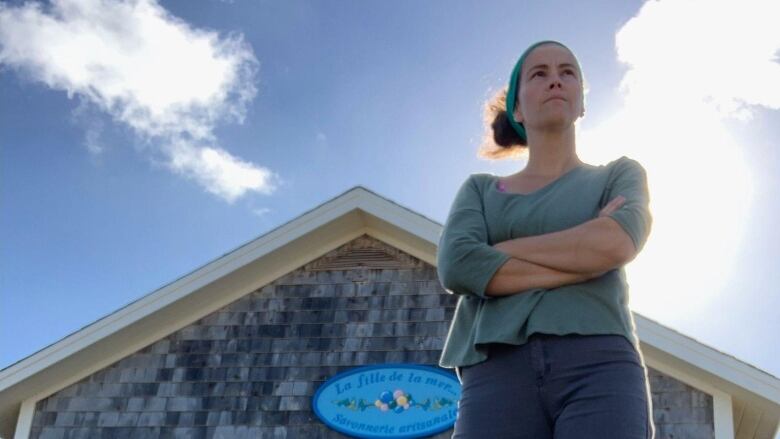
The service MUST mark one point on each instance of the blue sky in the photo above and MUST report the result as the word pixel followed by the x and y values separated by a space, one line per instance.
pixel 138 144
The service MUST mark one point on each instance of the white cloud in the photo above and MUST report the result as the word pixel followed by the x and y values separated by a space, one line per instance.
pixel 93 142
pixel 723 53
pixel 261 211
pixel 221 173
pixel 92 122
pixel 691 66
pixel 171 83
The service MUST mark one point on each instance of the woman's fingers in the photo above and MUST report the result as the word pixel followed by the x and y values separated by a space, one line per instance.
pixel 613 205
pixel 617 202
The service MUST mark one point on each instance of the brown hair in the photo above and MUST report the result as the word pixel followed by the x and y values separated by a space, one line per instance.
pixel 500 140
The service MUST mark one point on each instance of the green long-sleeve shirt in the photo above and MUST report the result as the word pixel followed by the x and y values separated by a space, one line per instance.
pixel 482 215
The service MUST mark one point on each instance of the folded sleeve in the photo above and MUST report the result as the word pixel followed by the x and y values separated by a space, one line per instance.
pixel 465 261
pixel 628 178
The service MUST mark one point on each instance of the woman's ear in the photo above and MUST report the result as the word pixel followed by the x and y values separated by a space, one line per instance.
pixel 518 114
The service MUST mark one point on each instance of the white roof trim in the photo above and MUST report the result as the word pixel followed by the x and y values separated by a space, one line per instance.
pixel 708 359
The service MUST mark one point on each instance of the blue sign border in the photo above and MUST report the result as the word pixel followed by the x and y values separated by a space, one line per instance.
pixel 361 369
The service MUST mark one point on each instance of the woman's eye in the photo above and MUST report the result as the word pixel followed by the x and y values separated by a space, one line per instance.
pixel 538 72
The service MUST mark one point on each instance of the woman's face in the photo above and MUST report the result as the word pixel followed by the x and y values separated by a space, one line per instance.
pixel 550 94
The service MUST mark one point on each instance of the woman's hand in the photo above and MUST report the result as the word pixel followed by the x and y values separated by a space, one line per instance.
pixel 612 206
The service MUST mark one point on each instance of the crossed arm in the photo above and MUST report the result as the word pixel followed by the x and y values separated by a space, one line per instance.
pixel 565 257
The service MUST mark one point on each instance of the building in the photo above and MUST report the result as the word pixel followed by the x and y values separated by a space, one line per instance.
pixel 238 347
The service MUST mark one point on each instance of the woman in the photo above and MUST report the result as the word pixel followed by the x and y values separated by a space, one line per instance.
pixel 542 338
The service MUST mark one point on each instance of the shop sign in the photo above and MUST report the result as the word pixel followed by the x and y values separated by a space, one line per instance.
pixel 389 401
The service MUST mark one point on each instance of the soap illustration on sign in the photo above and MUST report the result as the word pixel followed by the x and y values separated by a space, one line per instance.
pixel 390 400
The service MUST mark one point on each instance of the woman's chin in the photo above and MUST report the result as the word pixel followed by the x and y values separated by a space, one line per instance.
pixel 555 124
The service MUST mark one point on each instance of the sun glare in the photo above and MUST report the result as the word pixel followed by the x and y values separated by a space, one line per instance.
pixel 700 191
pixel 680 87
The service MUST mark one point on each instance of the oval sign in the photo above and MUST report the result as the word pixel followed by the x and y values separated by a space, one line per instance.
pixel 389 401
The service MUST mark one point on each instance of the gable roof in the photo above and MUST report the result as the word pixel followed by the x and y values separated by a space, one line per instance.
pixel 307 237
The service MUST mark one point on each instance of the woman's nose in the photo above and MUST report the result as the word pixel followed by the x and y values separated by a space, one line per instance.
pixel 556 82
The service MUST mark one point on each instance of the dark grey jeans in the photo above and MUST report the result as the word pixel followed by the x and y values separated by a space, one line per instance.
pixel 561 387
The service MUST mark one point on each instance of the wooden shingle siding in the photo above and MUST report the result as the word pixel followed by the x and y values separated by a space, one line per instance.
pixel 679 410
pixel 250 369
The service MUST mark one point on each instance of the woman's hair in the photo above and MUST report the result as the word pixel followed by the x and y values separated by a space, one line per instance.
pixel 501 139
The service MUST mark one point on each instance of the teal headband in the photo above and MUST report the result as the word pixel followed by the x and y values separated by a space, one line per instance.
pixel 514 82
